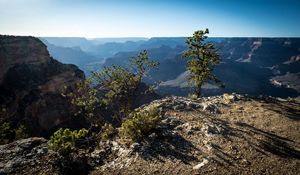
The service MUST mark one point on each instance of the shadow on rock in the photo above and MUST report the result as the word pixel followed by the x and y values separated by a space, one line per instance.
pixel 271 143
pixel 170 145
pixel 290 109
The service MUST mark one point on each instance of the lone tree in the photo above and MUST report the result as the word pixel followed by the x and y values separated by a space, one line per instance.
pixel 202 58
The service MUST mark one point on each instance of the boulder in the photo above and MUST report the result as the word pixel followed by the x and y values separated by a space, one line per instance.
pixel 22 155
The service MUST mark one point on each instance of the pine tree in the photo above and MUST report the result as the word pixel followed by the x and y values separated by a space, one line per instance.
pixel 202 58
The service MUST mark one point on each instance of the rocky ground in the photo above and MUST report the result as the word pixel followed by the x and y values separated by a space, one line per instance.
pixel 229 134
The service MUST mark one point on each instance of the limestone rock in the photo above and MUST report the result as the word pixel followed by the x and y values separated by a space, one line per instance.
pixel 198 166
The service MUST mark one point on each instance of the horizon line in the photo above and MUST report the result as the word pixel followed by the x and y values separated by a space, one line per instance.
pixel 146 37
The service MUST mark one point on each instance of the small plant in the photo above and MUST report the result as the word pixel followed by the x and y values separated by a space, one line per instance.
pixel 21 132
pixel 6 134
pixel 140 124
pixel 63 140
pixel 107 131
pixel 9 134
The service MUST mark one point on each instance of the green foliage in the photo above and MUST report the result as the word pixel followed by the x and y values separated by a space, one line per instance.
pixel 141 64
pixel 121 83
pixel 107 131
pixel 63 140
pixel 140 124
pixel 21 132
pixel 202 58
pixel 84 97
pixel 9 134
pixel 6 133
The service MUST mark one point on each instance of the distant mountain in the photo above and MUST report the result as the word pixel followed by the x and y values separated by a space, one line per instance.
pixel 107 47
pixel 163 41
pixel 98 47
pixel 249 65
pixel 72 55
pixel 98 41
pixel 111 48
pixel 83 43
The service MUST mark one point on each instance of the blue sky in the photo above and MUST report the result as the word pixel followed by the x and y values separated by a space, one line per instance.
pixel 149 18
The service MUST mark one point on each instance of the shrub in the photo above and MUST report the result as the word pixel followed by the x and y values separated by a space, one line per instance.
pixel 21 132
pixel 6 134
pixel 9 134
pixel 122 84
pixel 84 97
pixel 107 131
pixel 140 124
pixel 63 140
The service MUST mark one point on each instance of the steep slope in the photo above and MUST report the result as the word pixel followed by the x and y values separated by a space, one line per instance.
pixel 31 83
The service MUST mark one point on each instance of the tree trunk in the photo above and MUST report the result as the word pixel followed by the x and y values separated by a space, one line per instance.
pixel 198 92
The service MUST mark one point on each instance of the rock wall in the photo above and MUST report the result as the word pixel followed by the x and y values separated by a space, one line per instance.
pixel 31 83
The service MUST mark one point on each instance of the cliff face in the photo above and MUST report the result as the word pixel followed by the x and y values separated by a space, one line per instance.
pixel 31 83
pixel 21 50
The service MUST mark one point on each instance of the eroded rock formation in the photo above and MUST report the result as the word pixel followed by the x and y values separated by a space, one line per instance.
pixel 31 83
